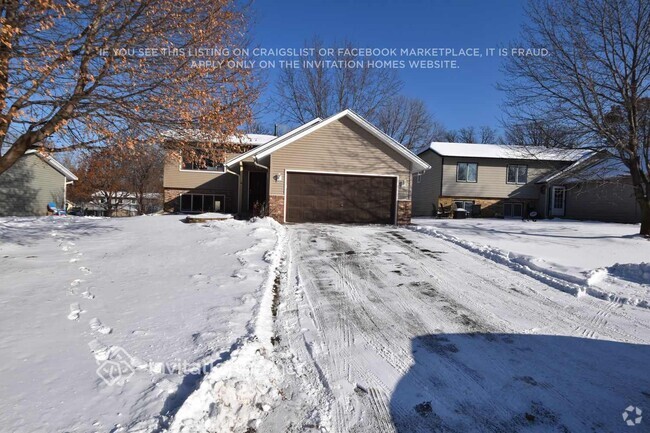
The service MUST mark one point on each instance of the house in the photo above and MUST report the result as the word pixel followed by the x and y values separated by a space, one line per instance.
pixel 122 204
pixel 596 187
pixel 485 179
pixel 339 170
pixel 34 181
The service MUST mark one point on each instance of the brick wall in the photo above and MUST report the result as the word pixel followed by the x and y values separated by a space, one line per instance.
pixel 404 209
pixel 490 207
pixel 276 207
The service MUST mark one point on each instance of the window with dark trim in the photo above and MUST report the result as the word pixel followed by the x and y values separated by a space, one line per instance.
pixel 202 203
pixel 467 172
pixel 517 174
pixel 202 164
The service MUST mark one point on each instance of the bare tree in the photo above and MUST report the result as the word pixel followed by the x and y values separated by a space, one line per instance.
pixel 320 90
pixel 488 135
pixel 536 134
pixel 409 122
pixel 467 135
pixel 593 83
pixel 143 172
pixel 102 180
pixel 77 73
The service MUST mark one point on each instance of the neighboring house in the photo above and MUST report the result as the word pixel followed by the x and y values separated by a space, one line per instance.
pixel 340 170
pixel 123 204
pixel 596 187
pixel 484 179
pixel 34 181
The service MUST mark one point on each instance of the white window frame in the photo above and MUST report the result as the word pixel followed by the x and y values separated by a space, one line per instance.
pixel 458 164
pixel 517 173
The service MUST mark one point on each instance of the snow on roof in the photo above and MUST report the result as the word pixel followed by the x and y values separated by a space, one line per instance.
pixel 198 135
pixel 502 151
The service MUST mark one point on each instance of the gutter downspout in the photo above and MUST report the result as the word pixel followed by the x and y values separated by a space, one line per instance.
pixel 258 164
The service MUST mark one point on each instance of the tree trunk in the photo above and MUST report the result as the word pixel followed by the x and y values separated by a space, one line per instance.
pixel 644 203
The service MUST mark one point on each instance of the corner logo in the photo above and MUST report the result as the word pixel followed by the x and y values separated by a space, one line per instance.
pixel 117 369
pixel 632 416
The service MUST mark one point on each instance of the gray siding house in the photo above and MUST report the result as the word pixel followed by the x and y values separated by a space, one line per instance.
pixel 341 169
pixel 31 183
pixel 484 179
pixel 596 187
pixel 509 181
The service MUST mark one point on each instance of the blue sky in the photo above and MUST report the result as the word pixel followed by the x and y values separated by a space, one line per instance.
pixel 458 97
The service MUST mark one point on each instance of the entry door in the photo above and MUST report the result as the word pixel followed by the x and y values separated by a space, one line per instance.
pixel 256 188
pixel 558 200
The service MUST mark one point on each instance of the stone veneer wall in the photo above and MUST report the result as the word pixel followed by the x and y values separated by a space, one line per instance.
pixel 490 207
pixel 404 209
pixel 276 208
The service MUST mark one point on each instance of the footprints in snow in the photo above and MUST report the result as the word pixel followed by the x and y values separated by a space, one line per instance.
pixel 99 350
pixel 97 326
pixel 75 311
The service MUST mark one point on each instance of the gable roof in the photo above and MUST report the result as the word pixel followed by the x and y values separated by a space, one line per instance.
pixel 592 167
pixel 54 164
pixel 417 164
pixel 501 151
pixel 255 151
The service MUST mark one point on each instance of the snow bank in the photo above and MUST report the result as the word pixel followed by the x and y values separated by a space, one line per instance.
pixel 236 396
pixel 572 284
pixel 635 272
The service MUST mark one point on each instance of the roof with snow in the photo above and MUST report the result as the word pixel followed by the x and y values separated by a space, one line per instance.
pixel 591 167
pixel 202 136
pixel 503 151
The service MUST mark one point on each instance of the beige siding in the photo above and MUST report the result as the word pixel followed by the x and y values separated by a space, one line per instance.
pixel 28 186
pixel 492 178
pixel 427 191
pixel 174 177
pixel 602 202
pixel 343 147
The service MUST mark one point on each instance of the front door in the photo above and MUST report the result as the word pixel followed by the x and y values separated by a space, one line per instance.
pixel 558 200
pixel 256 188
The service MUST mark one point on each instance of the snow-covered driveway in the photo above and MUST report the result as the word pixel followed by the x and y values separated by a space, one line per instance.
pixel 392 330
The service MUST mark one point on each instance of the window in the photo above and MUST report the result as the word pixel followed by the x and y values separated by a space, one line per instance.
pixel 513 210
pixel 517 174
pixel 464 204
pixel 205 164
pixel 466 172
pixel 202 203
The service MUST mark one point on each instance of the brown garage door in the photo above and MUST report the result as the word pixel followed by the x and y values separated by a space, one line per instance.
pixel 336 198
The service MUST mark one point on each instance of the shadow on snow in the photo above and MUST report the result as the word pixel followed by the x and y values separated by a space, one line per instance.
pixel 521 383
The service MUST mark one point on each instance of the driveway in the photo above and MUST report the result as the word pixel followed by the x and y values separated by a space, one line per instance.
pixel 392 330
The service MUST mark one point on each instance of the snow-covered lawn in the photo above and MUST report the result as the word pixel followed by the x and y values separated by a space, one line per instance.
pixel 170 298
pixel 318 328
pixel 605 260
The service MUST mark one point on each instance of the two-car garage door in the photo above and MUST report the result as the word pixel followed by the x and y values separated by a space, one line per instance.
pixel 338 198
